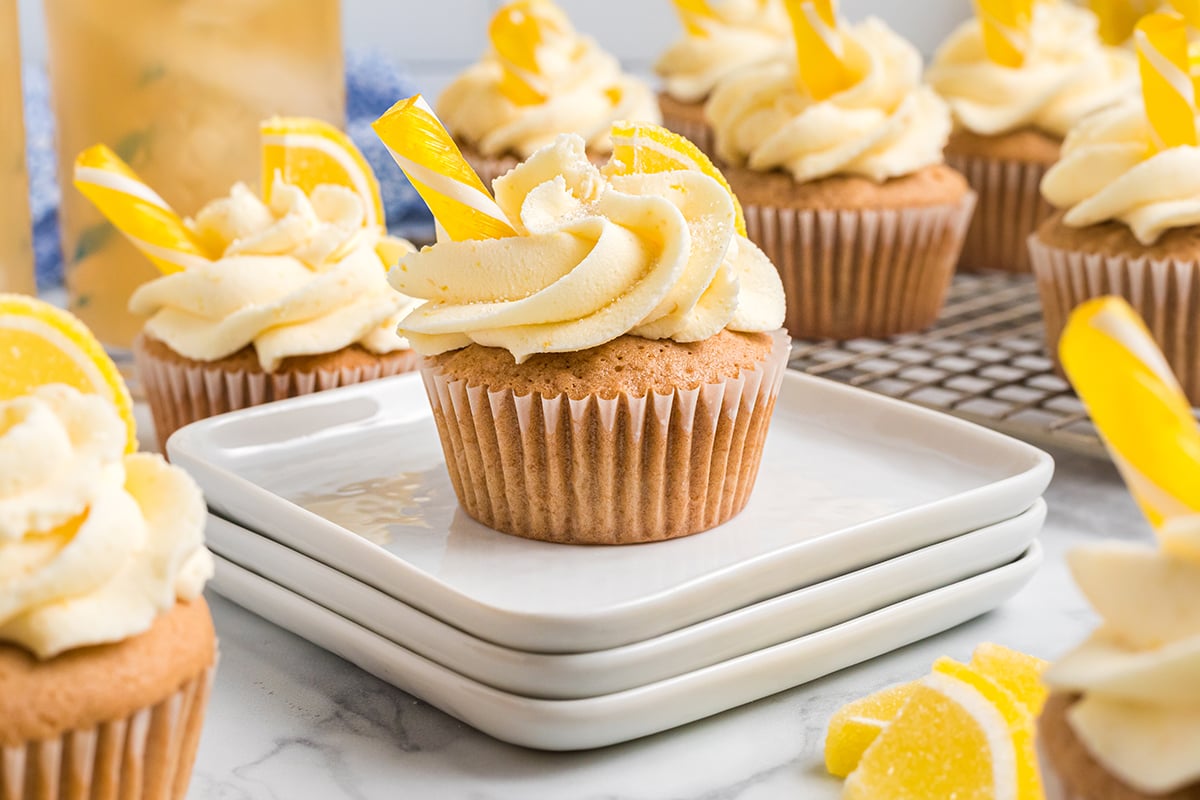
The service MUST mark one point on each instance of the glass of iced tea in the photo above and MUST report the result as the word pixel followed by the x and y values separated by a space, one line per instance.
pixel 16 234
pixel 177 88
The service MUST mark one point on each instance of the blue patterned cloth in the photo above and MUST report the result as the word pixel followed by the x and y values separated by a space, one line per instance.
pixel 373 83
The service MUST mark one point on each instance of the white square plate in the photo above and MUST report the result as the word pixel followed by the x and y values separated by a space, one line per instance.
pixel 355 479
pixel 614 718
pixel 581 675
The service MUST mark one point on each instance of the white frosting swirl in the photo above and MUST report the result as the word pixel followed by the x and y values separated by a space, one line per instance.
pixel 1139 673
pixel 585 92
pixel 600 256
pixel 887 125
pixel 94 544
pixel 1068 74
pixel 738 34
pixel 1111 170
pixel 303 276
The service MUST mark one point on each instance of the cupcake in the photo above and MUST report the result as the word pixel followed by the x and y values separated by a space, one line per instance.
pixel 1010 120
pixel 107 648
pixel 603 369
pixel 720 38
pixel 289 295
pixel 848 195
pixel 538 79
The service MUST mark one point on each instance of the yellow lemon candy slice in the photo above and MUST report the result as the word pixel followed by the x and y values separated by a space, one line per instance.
pixel 640 147
pixel 1020 674
pixel 310 152
pixel 43 345
pixel 856 725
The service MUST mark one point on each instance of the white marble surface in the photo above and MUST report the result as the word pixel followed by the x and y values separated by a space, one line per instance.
pixel 291 722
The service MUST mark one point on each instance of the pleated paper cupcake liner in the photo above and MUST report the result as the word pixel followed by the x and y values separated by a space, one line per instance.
pixel 850 274
pixel 180 393
pixel 1011 207
pixel 619 470
pixel 147 755
pixel 1165 293
pixel 698 131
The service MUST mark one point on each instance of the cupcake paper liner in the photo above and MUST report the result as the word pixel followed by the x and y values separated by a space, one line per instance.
pixel 850 274
pixel 181 393
pixel 699 132
pixel 1011 207
pixel 1165 293
pixel 596 470
pixel 145 756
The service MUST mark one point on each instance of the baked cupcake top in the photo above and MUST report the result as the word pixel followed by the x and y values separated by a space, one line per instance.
pixel 720 38
pixel 94 543
pixel 538 79
pixel 879 123
pixel 1060 73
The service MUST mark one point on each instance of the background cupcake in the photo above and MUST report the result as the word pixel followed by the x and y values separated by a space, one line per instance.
pixel 837 159
pixel 720 37
pixel 539 78
pixel 1014 98
pixel 278 296
pixel 603 368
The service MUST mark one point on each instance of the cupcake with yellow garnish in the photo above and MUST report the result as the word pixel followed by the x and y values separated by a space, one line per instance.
pixel 1129 197
pixel 602 347
pixel 837 159
pixel 267 297
pixel 107 648
pixel 1124 719
pixel 1018 78
pixel 720 38
pixel 539 78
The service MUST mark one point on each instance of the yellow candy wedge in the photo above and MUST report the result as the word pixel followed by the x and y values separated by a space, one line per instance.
pixel 422 147
pixel 1118 17
pixel 517 31
pixel 693 13
pixel 1137 405
pixel 43 344
pixel 856 725
pixel 820 51
pixel 1167 88
pixel 136 210
pixel 639 147
pixel 1020 674
pixel 310 152
pixel 1006 25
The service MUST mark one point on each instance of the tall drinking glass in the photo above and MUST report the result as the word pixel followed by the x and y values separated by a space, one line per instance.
pixel 177 88
pixel 16 232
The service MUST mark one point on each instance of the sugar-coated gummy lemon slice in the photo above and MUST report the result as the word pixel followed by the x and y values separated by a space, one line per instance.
pixel 310 152
pixel 43 344
pixel 644 148
pixel 854 727
pixel 1020 674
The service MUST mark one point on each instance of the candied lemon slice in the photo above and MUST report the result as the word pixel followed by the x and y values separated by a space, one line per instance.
pixel 1020 674
pixel 136 210
pixel 421 146
pixel 640 147
pixel 310 152
pixel 43 345
pixel 854 727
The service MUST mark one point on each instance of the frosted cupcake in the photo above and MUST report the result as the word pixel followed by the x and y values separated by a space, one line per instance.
pixel 1012 110
pixel 603 353
pixel 720 38
pixel 538 79
pixel 838 163
pixel 285 294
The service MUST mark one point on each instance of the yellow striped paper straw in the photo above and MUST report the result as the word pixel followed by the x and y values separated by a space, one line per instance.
pixel 1190 11
pixel 1137 405
pixel 1170 97
pixel 422 147
pixel 137 211
pixel 1118 17
pixel 693 14
pixel 1006 25
pixel 517 31
pixel 820 48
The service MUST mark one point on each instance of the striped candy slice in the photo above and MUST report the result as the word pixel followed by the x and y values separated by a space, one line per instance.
pixel 1170 97
pixel 820 51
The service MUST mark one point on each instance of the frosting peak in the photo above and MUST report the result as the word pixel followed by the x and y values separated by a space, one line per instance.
pixel 94 544
pixel 598 256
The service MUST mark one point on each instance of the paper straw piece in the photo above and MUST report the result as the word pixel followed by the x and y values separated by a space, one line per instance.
pixel 422 147
pixel 1170 96
pixel 1006 25
pixel 518 32
pixel 820 50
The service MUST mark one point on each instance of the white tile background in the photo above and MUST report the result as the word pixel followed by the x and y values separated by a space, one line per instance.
pixel 433 38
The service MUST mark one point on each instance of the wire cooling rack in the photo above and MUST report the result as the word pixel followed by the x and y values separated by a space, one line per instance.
pixel 985 360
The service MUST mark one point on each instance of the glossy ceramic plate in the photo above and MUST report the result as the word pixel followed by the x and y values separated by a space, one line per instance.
pixel 581 675
pixel 613 718
pixel 355 479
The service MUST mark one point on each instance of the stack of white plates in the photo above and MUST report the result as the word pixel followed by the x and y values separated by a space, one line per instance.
pixel 874 524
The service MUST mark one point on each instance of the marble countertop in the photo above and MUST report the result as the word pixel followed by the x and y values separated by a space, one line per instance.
pixel 289 721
